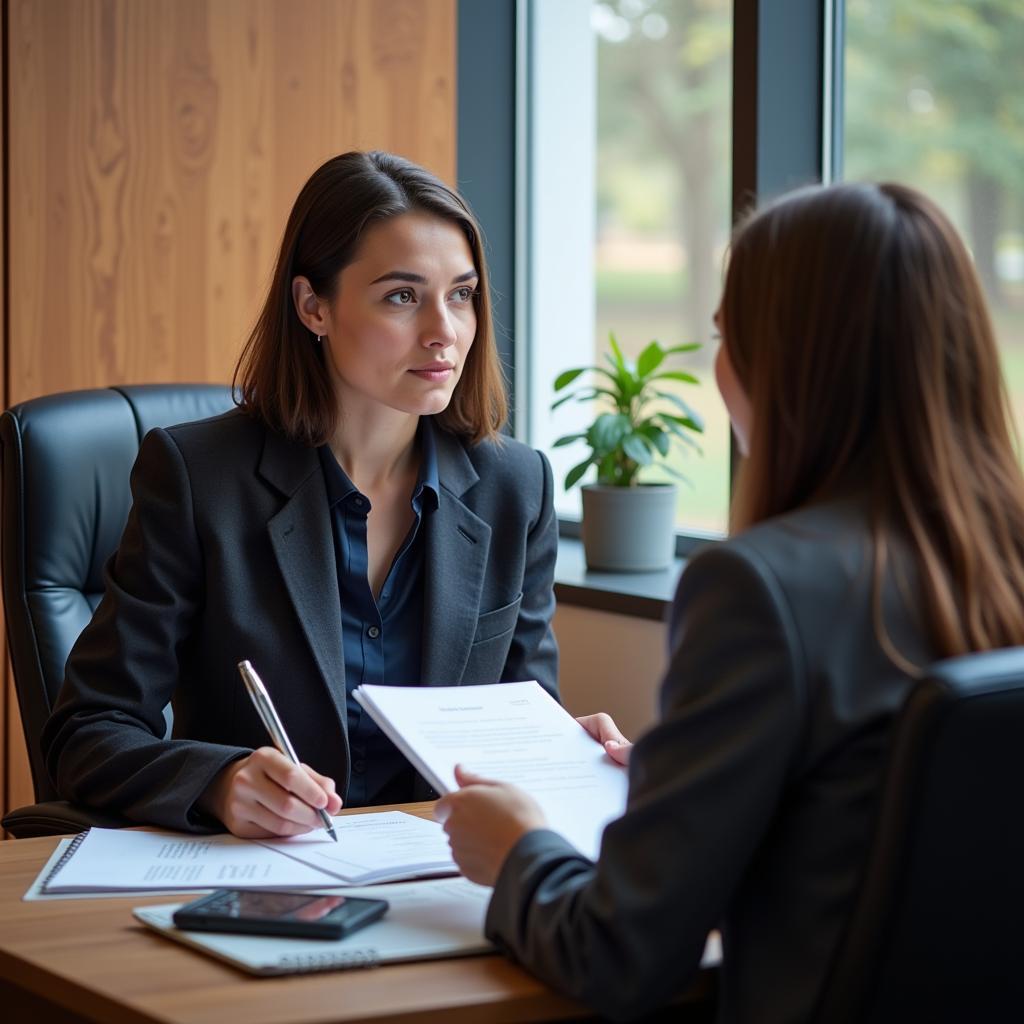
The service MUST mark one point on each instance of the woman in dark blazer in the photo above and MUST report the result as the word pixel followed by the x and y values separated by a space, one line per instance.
pixel 357 520
pixel 878 524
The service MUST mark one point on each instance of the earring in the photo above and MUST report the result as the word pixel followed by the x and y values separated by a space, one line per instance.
pixel 318 340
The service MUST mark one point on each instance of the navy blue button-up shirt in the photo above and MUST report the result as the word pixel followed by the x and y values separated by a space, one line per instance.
pixel 382 638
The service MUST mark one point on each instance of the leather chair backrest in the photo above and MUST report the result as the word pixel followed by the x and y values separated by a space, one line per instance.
pixel 936 933
pixel 67 459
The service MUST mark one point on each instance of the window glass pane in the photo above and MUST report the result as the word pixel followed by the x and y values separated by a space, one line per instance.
pixel 662 218
pixel 934 97
pixel 628 218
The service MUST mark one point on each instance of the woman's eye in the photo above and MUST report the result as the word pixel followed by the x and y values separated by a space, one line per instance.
pixel 400 298
pixel 464 294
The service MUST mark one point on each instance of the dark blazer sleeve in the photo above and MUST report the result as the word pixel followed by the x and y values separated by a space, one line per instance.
pixel 104 742
pixel 626 934
pixel 533 652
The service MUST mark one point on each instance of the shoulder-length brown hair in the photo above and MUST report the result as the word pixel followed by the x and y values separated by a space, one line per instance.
pixel 856 323
pixel 280 375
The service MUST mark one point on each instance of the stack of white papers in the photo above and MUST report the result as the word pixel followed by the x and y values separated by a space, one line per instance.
pixel 373 848
pixel 512 732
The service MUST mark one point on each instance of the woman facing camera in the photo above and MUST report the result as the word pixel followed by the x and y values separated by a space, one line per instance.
pixel 358 519
pixel 877 525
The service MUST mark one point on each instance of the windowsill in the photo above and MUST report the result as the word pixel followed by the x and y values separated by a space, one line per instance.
pixel 644 595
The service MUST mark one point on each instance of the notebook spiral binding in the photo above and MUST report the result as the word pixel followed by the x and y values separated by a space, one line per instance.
pixel 358 958
pixel 64 858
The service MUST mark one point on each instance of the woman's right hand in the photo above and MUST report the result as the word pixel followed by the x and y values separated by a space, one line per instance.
pixel 265 795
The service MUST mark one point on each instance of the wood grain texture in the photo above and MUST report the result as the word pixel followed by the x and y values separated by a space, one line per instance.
pixel 90 956
pixel 157 146
pixel 155 149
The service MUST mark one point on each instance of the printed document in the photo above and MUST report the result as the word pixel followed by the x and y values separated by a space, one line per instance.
pixel 381 847
pixel 513 732
pixel 123 860
pixel 372 847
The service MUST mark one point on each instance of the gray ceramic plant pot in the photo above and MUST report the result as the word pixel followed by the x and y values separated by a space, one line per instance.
pixel 629 529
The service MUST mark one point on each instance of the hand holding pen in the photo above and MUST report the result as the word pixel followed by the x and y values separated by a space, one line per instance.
pixel 268 714
pixel 268 794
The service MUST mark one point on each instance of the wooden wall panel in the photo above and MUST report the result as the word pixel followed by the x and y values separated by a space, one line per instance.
pixel 157 145
pixel 155 149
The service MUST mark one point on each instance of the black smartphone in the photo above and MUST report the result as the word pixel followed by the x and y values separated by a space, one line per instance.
pixel 298 914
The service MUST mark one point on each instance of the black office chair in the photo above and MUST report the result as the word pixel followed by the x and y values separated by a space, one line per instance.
pixel 66 465
pixel 936 934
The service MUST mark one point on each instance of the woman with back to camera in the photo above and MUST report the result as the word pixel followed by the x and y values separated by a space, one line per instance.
pixel 357 520
pixel 877 525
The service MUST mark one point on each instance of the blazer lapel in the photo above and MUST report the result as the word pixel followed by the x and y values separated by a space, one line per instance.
pixel 456 545
pixel 300 534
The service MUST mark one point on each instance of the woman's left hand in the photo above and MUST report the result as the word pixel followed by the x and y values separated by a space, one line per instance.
pixel 603 728
pixel 484 820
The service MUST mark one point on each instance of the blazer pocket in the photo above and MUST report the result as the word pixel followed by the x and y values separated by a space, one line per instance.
pixel 498 622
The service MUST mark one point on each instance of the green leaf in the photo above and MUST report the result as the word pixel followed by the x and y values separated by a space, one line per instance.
pixel 676 375
pixel 681 435
pixel 607 431
pixel 680 403
pixel 613 375
pixel 684 421
pixel 617 352
pixel 650 359
pixel 691 346
pixel 561 401
pixel 657 437
pixel 568 439
pixel 568 376
pixel 636 447
pixel 622 382
pixel 576 472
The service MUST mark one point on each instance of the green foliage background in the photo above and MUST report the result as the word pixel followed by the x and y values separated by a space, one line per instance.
pixel 934 97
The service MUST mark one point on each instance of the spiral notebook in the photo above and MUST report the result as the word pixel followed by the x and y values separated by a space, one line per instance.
pixel 122 861
pixel 382 846
pixel 428 920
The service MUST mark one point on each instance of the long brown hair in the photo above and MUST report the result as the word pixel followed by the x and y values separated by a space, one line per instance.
pixel 280 374
pixel 855 321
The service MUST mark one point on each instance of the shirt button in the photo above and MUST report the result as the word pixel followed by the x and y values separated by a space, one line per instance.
pixel 359 767
pixel 358 502
pixel 373 632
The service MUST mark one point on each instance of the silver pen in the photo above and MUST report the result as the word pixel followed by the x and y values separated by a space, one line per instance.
pixel 265 708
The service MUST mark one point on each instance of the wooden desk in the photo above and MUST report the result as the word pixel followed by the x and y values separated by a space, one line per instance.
pixel 65 961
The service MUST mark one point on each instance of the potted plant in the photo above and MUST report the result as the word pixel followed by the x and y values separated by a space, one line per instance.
pixel 629 526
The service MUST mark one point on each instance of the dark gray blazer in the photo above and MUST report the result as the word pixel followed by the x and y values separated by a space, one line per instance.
pixel 228 554
pixel 750 801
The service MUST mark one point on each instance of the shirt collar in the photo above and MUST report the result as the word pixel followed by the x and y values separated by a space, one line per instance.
pixel 426 491
pixel 427 486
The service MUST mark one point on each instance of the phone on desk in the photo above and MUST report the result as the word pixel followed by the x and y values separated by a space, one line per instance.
pixel 296 914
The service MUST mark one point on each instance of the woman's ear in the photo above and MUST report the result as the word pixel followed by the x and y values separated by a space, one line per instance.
pixel 311 310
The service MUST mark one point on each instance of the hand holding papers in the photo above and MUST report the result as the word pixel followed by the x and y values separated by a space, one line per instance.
pixel 512 732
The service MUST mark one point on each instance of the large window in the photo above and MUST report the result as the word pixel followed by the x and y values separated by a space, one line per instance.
pixel 635 165
pixel 934 97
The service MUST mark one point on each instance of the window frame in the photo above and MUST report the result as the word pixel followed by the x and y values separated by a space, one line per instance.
pixel 787 103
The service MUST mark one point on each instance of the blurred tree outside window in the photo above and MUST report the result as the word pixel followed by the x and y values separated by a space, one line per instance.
pixel 664 78
pixel 934 97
